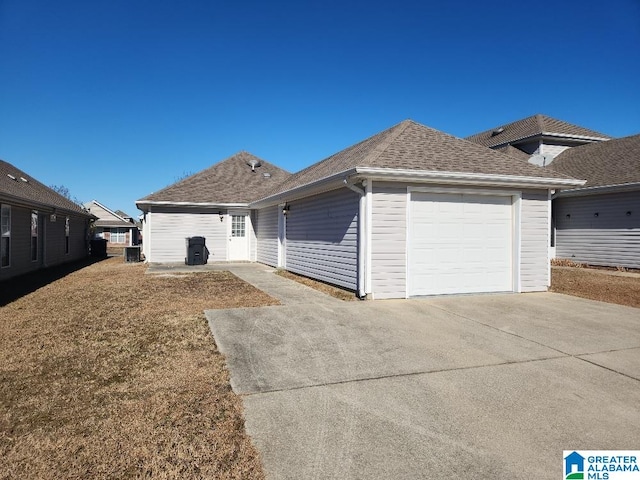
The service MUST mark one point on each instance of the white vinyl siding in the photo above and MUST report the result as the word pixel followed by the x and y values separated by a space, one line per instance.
pixel 534 241
pixel 553 150
pixel 388 238
pixel 389 231
pixel 267 236
pixel 610 238
pixel 168 231
pixel 322 237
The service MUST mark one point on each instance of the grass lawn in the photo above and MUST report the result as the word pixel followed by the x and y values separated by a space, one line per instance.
pixel 110 373
pixel 336 292
pixel 603 285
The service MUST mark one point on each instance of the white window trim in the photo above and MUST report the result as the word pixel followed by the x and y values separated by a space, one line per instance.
pixel 8 207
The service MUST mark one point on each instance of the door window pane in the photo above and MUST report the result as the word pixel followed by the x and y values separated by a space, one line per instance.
pixel 237 225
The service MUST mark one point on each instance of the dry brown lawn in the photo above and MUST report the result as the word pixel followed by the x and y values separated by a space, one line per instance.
pixel 109 373
pixel 337 292
pixel 603 285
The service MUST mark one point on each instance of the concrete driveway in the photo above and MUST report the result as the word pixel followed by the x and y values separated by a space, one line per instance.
pixel 491 386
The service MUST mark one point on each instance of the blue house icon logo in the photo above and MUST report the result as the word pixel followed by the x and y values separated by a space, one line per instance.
pixel 574 466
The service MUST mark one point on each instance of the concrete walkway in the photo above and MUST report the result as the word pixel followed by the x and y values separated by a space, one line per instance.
pixel 487 386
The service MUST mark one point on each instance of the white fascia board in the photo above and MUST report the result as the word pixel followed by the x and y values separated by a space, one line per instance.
pixel 318 186
pixel 457 178
pixel 143 203
pixel 574 192
pixel 574 137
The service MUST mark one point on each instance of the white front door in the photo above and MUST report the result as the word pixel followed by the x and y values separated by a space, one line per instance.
pixel 238 237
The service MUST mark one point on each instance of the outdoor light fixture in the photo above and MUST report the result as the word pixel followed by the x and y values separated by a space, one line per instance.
pixel 629 213
pixel 596 214
pixel 568 215
pixel 285 209
pixel 221 216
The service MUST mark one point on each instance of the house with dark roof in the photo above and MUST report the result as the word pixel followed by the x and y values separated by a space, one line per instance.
pixel 538 139
pixel 38 227
pixel 213 204
pixel 599 222
pixel 119 229
pixel 409 211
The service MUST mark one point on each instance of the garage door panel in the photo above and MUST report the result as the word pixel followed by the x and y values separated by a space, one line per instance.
pixel 460 243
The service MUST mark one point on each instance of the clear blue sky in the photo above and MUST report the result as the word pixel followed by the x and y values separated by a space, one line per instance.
pixel 116 99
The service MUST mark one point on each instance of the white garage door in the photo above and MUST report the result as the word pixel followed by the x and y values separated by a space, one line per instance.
pixel 460 243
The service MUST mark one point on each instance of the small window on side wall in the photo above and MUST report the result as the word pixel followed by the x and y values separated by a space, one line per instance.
pixel 66 235
pixel 34 236
pixel 5 235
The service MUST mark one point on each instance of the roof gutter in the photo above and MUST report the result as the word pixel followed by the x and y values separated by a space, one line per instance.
pixel 426 176
pixel 335 181
pixel 420 176
pixel 44 207
pixel 620 188
pixel 150 203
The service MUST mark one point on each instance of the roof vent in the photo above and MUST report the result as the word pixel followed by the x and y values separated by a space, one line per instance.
pixel 253 164
pixel 266 175
pixel 24 180
pixel 11 176
pixel 497 131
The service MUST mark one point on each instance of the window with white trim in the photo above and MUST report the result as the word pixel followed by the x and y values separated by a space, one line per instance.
pixel 118 235
pixel 34 236
pixel 66 235
pixel 5 235
pixel 238 226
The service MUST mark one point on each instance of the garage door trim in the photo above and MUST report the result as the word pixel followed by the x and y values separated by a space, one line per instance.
pixel 516 201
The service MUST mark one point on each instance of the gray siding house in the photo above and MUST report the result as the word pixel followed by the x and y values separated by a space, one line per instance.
pixel 409 211
pixel 599 223
pixel 537 139
pixel 38 227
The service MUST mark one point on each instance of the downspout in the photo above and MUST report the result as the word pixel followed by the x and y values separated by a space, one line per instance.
pixel 361 236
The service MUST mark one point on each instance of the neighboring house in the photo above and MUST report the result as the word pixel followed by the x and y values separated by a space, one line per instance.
pixel 38 227
pixel 538 139
pixel 119 229
pixel 599 222
pixel 214 204
pixel 409 211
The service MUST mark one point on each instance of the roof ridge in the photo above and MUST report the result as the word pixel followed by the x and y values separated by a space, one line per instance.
pixel 380 149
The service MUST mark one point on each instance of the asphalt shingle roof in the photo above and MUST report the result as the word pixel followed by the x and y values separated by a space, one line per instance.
pixel 412 146
pixel 228 181
pixel 530 127
pixel 32 191
pixel 614 162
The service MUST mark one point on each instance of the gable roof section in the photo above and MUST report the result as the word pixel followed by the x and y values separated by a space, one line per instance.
pixel 29 191
pixel 615 162
pixel 412 147
pixel 111 219
pixel 533 126
pixel 230 181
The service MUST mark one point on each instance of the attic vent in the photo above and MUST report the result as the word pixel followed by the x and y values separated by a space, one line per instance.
pixel 253 164
pixel 11 176
pixel 24 180
pixel 266 175
pixel 497 131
